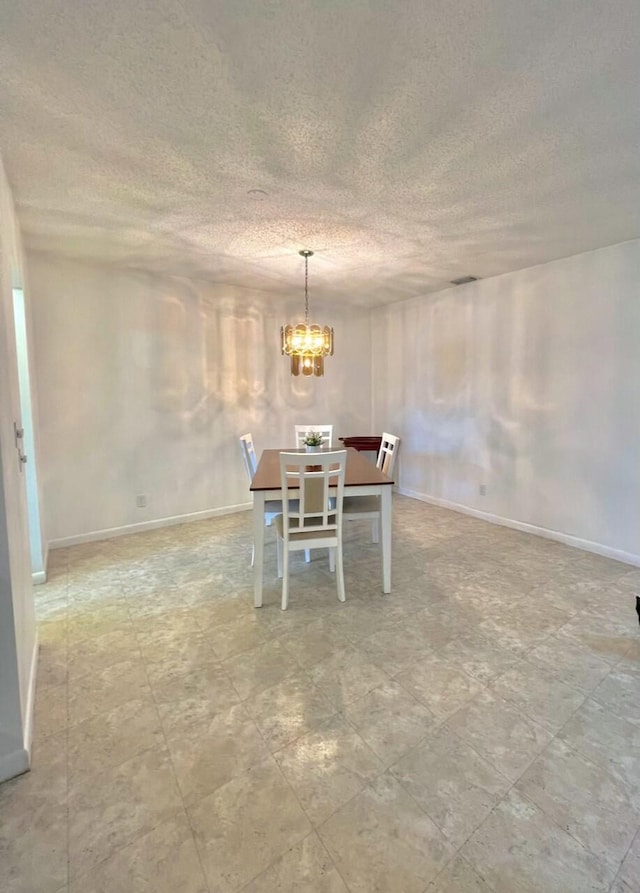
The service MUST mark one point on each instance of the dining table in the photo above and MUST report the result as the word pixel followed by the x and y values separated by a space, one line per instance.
pixel 362 478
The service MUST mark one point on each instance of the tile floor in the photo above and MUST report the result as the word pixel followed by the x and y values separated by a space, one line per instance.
pixel 476 731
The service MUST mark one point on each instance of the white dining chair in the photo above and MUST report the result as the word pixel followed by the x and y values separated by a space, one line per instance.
pixel 301 433
pixel 272 507
pixel 303 430
pixel 367 508
pixel 316 521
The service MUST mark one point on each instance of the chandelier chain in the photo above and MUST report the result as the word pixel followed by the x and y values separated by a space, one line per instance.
pixel 306 289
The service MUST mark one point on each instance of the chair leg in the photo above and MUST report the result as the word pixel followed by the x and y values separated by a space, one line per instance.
pixel 332 560
pixel 285 579
pixel 375 532
pixel 342 596
pixel 253 555
pixel 307 555
pixel 279 544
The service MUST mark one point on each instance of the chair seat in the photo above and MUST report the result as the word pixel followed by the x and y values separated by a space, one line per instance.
pixel 353 505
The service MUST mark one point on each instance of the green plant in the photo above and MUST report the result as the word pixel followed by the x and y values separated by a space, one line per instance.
pixel 313 438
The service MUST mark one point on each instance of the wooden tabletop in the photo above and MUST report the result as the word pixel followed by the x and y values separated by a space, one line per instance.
pixel 359 471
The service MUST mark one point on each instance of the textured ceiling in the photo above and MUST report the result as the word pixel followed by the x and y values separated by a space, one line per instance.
pixel 408 143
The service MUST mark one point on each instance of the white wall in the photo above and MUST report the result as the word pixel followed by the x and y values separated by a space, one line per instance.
pixel 145 385
pixel 529 384
pixel 18 643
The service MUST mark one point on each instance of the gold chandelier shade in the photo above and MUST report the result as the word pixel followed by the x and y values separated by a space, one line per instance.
pixel 306 344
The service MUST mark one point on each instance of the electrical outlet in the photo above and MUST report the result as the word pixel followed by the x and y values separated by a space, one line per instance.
pixel 141 501
pixel 483 489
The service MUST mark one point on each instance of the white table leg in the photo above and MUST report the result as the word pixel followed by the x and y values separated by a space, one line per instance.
pixel 385 512
pixel 258 546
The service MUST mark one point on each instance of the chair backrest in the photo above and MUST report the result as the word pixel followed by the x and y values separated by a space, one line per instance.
pixel 314 510
pixel 387 453
pixel 248 455
pixel 303 430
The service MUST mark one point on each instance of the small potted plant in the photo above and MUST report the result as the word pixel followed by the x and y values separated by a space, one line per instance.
pixel 313 441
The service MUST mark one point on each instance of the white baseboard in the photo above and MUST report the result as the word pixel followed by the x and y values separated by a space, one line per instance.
pixel 567 539
pixel 31 699
pixel 110 532
pixel 13 764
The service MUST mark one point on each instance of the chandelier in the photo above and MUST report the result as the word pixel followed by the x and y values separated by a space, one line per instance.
pixel 307 345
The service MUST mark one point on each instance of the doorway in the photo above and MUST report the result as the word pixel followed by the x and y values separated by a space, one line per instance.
pixel 26 435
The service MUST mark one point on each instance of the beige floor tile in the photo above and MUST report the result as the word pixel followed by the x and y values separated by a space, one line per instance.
pixel 435 628
pixel 390 721
pixel 600 568
pixel 143 579
pixel 110 811
pixel 306 868
pixel 53 633
pixel 499 733
pixel 381 840
pixel 631 658
pixel 163 861
pixel 47 779
pixel 212 606
pixel 182 716
pixel 54 587
pixel 356 620
pixel 584 799
pixel 607 739
pixel 347 676
pixel 99 601
pixel 206 756
pixel 51 608
pixel 50 709
pixel 260 668
pixel 478 656
pixel 440 685
pixel 244 826
pixel 102 691
pixel 288 710
pixel 159 603
pixel 538 694
pixel 180 619
pixel 33 822
pixel 327 767
pixel 452 783
pixel 620 692
pixel 621 886
pixel 458 877
pixel 315 642
pixel 608 638
pixel 93 621
pixel 396 649
pixel 52 664
pixel 629 874
pixel 236 636
pixel 33 848
pixel 102 651
pixel 113 737
pixel 166 645
pixel 187 585
pixel 571 661
pixel 518 848
pixel 181 680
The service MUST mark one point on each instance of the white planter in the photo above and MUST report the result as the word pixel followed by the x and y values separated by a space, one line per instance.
pixel 312 449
